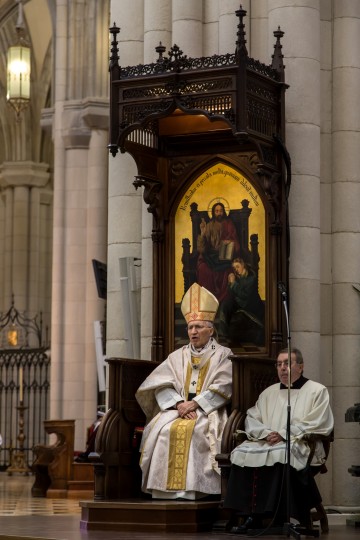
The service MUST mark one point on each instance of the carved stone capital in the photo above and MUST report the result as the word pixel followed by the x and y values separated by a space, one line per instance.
pixel 24 173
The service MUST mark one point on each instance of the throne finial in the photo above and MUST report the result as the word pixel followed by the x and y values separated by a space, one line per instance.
pixel 241 41
pixel 160 49
pixel 114 57
pixel 277 57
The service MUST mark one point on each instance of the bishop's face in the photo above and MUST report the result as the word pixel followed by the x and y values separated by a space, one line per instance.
pixel 199 333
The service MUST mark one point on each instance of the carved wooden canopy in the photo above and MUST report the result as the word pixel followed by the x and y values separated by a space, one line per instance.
pixel 181 117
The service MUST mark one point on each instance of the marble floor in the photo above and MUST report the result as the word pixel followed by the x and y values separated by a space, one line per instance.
pixel 23 517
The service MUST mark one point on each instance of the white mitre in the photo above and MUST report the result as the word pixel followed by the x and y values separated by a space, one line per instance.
pixel 199 304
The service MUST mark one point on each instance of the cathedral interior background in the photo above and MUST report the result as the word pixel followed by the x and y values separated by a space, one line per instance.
pixel 65 202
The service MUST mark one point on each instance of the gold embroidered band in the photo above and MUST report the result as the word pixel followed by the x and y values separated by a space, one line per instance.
pixel 180 438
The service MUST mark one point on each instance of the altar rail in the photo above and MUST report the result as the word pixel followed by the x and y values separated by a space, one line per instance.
pixel 32 366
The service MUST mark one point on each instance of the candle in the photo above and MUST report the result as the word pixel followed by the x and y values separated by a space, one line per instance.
pixel 21 382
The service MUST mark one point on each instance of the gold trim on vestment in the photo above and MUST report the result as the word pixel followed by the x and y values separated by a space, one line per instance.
pixel 219 393
pixel 202 374
pixel 187 380
pixel 181 432
pixel 180 438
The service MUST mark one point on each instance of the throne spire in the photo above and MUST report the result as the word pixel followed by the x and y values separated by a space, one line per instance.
pixel 241 49
pixel 277 57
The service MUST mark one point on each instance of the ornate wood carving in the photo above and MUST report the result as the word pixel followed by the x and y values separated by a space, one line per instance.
pixel 176 117
pixel 53 464
pixel 151 191
pixel 117 472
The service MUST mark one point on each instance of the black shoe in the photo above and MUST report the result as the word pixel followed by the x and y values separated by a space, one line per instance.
pixel 243 529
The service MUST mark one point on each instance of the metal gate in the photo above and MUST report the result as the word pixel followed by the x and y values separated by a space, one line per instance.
pixel 24 388
pixel 33 386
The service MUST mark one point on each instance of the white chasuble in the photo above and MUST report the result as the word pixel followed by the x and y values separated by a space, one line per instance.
pixel 178 455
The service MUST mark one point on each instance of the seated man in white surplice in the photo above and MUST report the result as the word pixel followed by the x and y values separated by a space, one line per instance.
pixel 256 487
pixel 185 400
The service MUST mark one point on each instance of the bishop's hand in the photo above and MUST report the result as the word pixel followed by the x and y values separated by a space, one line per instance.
pixel 186 409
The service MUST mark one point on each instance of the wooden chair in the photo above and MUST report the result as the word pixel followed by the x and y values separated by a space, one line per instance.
pixel 319 514
pixel 53 464
pixel 116 456
pixel 233 438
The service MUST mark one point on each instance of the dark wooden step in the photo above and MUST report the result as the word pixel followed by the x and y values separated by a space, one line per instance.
pixel 149 515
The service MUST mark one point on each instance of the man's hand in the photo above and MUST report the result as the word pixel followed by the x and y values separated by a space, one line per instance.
pixel 186 409
pixel 202 227
pixel 273 438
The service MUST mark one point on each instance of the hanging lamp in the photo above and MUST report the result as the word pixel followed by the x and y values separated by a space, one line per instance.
pixel 19 68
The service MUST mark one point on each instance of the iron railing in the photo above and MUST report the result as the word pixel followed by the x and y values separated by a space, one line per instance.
pixel 24 386
pixel 35 366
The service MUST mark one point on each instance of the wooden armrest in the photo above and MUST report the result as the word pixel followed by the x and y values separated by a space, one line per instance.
pixel 223 460
pixel 234 423
pixel 311 439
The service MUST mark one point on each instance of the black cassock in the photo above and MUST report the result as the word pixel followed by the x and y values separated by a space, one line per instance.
pixel 261 491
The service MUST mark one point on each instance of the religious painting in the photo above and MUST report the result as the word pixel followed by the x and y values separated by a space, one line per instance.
pixel 220 244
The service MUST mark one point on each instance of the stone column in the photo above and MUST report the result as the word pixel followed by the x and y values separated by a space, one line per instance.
pixel 4 234
pixel 81 214
pixel 325 480
pixel 124 240
pixel 27 251
pixel 346 246
pixel 157 27
pixel 41 219
pixel 301 47
pixel 80 210
pixel 125 204
pixel 96 117
pixel 129 16
pixel 72 270
pixel 256 26
pixel 187 26
pixel 211 28
pixel 146 284
pixel 54 122
pixel 228 24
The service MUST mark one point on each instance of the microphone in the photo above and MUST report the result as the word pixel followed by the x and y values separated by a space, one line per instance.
pixel 282 289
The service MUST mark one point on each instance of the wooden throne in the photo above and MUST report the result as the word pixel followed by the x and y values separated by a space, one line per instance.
pixel 179 117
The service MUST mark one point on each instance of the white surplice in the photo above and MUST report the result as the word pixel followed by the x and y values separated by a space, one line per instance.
pixel 310 413
pixel 210 373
